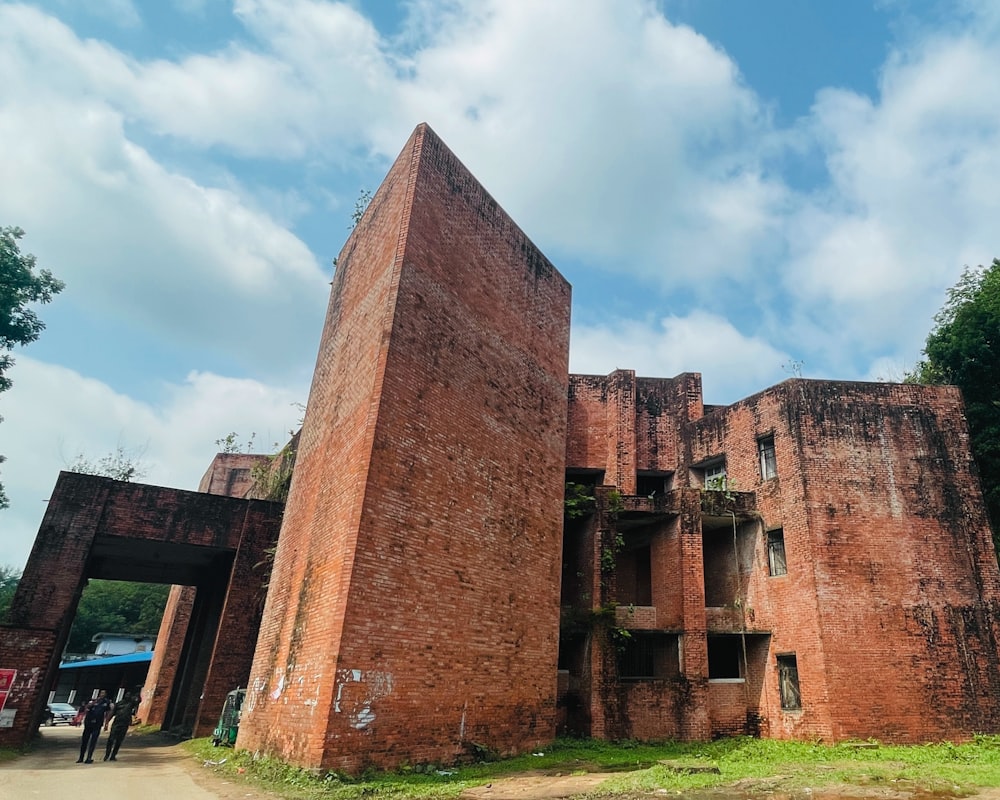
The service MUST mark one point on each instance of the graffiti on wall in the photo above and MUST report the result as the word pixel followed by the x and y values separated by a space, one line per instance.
pixel 357 692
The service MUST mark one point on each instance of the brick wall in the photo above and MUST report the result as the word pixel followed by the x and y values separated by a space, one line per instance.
pixel 890 599
pixel 98 527
pixel 419 560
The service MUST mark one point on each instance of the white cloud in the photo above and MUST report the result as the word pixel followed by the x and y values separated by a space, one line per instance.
pixel 698 342
pixel 138 242
pixel 54 414
pixel 911 199
pixel 612 135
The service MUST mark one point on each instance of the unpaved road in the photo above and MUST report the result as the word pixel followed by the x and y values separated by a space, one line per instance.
pixel 149 767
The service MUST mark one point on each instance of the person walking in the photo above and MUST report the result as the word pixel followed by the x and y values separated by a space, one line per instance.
pixel 121 719
pixel 98 712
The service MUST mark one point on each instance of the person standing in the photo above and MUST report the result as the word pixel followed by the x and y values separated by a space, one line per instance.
pixel 98 712
pixel 121 719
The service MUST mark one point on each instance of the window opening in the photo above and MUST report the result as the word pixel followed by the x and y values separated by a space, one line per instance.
pixel 634 576
pixel 715 476
pixel 776 563
pixel 788 682
pixel 725 658
pixel 768 463
pixel 645 656
pixel 652 484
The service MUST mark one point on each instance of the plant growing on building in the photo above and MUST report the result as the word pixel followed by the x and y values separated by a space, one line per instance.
pixel 271 477
pixel 360 206
pixel 121 464
pixel 230 443
pixel 578 500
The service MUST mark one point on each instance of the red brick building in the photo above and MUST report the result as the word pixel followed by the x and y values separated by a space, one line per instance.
pixel 811 562
pixel 480 551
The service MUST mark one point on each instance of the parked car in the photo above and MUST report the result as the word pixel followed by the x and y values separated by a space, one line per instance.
pixel 60 714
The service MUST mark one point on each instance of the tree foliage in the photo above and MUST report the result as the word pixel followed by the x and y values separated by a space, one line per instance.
pixel 116 607
pixel 20 285
pixel 9 578
pixel 963 349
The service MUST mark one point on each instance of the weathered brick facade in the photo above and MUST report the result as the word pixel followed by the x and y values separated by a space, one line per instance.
pixel 100 528
pixel 810 562
pixel 885 597
pixel 414 609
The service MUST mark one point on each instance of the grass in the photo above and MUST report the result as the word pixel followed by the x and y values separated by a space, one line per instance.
pixel 747 765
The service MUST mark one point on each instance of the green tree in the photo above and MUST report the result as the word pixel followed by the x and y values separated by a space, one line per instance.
pixel 9 578
pixel 20 285
pixel 116 607
pixel 963 349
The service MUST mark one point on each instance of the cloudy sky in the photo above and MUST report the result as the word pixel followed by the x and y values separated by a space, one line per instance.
pixel 741 189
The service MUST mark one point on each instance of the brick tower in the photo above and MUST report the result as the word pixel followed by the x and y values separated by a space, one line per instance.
pixel 413 609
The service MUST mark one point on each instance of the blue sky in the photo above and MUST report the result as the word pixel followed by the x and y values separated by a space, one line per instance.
pixel 732 187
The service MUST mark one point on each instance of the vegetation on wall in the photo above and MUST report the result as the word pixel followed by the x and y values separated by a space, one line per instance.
pixel 272 477
pixel 579 500
pixel 121 464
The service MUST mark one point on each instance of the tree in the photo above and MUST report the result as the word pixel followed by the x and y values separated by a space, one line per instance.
pixel 9 578
pixel 116 607
pixel 963 349
pixel 20 285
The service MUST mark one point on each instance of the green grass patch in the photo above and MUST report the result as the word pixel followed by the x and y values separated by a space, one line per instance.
pixel 746 765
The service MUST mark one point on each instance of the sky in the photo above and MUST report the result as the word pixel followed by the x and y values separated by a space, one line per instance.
pixel 748 190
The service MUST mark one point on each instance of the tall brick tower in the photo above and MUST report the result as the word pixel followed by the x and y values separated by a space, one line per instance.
pixel 413 609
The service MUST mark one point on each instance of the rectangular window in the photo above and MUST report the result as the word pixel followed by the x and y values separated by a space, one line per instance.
pixel 788 683
pixel 725 657
pixel 776 563
pixel 652 484
pixel 648 656
pixel 768 465
pixel 715 476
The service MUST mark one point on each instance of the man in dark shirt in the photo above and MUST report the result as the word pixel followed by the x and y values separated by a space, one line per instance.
pixel 121 719
pixel 98 712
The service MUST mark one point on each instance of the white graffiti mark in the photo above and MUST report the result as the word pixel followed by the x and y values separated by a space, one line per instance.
pixel 357 691
pixel 276 694
pixel 255 691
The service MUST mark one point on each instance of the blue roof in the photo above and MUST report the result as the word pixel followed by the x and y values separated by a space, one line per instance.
pixel 109 661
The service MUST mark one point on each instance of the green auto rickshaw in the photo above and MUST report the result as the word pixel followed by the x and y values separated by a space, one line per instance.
pixel 229 722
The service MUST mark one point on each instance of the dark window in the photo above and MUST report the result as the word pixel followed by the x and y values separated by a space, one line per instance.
pixel 788 683
pixel 776 563
pixel 768 465
pixel 634 576
pixel 725 657
pixel 646 656
pixel 648 484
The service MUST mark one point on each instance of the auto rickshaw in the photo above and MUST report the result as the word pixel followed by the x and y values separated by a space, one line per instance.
pixel 229 721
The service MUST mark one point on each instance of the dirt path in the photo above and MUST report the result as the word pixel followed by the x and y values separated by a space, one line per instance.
pixel 149 767
pixel 154 767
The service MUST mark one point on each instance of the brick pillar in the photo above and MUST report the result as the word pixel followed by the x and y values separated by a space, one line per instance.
pixel 47 595
pixel 621 431
pixel 413 613
pixel 696 722
pixel 166 655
